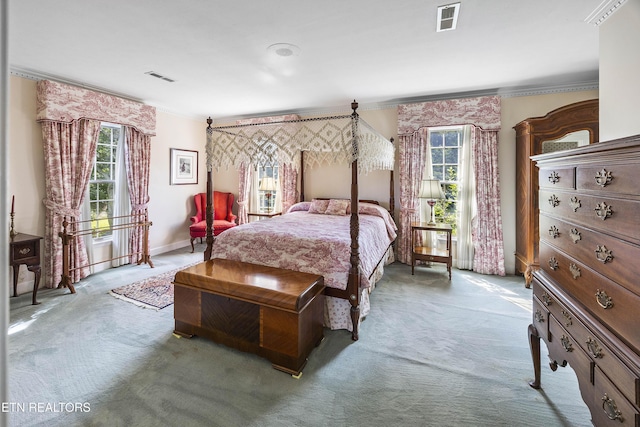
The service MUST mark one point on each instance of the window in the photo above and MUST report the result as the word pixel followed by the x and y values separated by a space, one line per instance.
pixel 268 186
pixel 102 183
pixel 446 155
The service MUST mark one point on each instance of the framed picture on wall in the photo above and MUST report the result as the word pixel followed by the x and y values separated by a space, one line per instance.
pixel 184 167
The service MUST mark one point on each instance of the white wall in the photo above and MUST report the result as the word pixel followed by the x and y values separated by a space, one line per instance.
pixel 619 76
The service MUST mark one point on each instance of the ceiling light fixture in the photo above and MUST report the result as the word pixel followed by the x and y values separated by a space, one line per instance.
pixel 284 49
pixel 448 17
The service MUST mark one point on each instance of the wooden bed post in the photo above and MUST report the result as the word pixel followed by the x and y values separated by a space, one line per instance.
pixel 209 211
pixel 354 273
pixel 392 197
pixel 302 175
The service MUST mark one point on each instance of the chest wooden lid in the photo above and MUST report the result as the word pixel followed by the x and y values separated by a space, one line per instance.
pixel 276 287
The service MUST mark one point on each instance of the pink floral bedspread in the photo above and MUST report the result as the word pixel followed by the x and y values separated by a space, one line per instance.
pixel 311 243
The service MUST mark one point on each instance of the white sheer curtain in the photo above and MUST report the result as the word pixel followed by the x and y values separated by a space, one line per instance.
pixel 122 206
pixel 85 215
pixel 430 238
pixel 245 178
pixel 467 205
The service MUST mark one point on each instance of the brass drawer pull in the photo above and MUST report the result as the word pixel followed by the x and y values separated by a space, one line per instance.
pixel 554 232
pixel 554 201
pixel 575 235
pixel 574 202
pixel 566 344
pixel 611 409
pixel 603 211
pixel 539 316
pixel 603 299
pixel 553 263
pixel 603 178
pixel 575 270
pixel 603 254
pixel 554 178
pixel 594 348
pixel 24 251
pixel 567 318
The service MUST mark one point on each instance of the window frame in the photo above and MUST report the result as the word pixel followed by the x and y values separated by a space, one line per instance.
pixel 450 186
pixel 104 232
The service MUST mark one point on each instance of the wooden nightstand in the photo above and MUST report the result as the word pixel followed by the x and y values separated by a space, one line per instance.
pixel 264 215
pixel 425 253
pixel 25 249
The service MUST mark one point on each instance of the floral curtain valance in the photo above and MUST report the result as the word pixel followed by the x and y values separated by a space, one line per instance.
pixel 483 112
pixel 60 102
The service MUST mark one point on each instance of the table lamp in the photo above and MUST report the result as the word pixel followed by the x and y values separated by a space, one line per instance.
pixel 431 190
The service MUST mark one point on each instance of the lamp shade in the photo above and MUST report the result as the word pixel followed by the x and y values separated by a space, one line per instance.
pixel 431 189
pixel 268 184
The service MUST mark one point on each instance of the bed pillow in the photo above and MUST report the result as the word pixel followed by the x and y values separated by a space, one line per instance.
pixel 337 207
pixel 300 206
pixel 318 206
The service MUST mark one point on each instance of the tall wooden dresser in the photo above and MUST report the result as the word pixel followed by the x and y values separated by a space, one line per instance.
pixel 533 135
pixel 586 295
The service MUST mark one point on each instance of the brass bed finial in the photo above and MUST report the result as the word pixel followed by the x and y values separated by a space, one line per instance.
pixel 354 106
pixel 209 122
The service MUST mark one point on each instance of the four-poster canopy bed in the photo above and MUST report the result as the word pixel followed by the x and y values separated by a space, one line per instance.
pixel 337 139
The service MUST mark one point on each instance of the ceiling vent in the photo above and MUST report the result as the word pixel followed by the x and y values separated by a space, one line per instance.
pixel 159 76
pixel 448 17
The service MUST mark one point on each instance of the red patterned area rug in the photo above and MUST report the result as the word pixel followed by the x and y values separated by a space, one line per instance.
pixel 154 292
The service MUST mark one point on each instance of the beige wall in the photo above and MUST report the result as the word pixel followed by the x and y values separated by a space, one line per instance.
pixel 171 205
pixel 619 78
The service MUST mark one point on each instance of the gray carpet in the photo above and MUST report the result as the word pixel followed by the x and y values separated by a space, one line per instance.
pixel 431 353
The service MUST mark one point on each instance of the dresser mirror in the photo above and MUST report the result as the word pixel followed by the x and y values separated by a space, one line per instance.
pixel 571 140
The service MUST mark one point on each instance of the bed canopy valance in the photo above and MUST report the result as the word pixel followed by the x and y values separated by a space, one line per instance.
pixel 325 140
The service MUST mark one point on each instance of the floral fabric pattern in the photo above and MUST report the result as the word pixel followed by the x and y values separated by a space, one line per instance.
pixel 488 239
pixel 484 114
pixel 63 103
pixel 318 244
pixel 69 149
pixel 138 161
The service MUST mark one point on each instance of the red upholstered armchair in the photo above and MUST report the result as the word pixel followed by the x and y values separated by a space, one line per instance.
pixel 223 218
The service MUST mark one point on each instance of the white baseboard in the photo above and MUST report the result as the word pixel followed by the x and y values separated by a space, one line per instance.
pixel 170 247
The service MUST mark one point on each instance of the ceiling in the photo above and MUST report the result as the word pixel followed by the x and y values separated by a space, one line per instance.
pixel 379 52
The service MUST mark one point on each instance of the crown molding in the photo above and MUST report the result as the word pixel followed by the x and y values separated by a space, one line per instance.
pixel 507 92
pixel 603 11
pixel 37 76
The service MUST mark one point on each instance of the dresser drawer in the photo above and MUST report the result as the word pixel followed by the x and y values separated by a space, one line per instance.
pixel 557 177
pixel 615 216
pixel 609 178
pixel 607 255
pixel 564 349
pixel 541 318
pixel 609 407
pixel 595 292
pixel 599 352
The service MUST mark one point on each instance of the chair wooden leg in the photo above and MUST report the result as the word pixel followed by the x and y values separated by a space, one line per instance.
pixel 192 247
